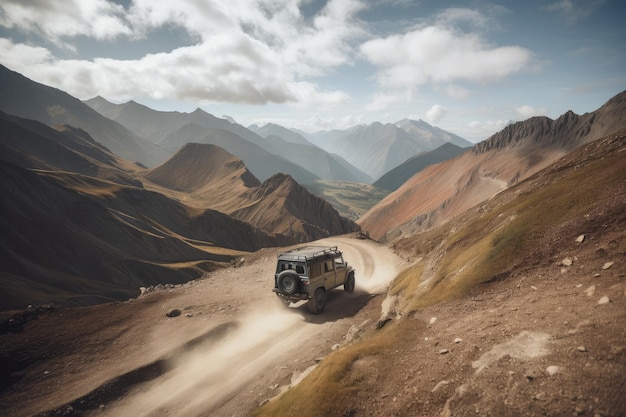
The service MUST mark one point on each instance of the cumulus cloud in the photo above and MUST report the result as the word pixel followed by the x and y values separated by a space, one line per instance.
pixel 524 112
pixel 57 19
pixel 257 52
pixel 441 53
pixel 456 91
pixel 484 129
pixel 435 114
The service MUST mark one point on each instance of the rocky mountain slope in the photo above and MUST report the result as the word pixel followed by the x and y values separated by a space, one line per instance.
pixel 27 99
pixel 277 206
pixel 444 190
pixel 400 174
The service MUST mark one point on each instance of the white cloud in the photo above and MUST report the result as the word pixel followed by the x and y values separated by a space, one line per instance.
pixel 478 130
pixel 247 52
pixel 56 19
pixel 19 57
pixel 456 92
pixel 524 112
pixel 383 100
pixel 442 54
pixel 435 114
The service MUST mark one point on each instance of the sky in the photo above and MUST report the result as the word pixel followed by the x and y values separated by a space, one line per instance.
pixel 468 67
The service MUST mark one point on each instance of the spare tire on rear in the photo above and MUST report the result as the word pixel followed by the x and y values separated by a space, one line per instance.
pixel 288 282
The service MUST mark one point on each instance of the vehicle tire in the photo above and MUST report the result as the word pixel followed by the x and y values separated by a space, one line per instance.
pixel 350 283
pixel 318 302
pixel 288 282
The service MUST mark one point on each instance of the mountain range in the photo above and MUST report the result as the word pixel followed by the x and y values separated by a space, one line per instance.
pixel 377 148
pixel 80 225
pixel 444 190
pixel 27 99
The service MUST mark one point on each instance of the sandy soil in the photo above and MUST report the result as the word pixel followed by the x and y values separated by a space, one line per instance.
pixel 234 345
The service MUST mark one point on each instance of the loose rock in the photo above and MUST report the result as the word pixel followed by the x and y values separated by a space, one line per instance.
pixel 604 300
pixel 581 348
pixel 551 370
pixel 567 261
pixel 580 238
pixel 607 265
pixel 173 313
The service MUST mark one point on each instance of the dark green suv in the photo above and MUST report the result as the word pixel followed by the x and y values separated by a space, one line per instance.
pixel 307 273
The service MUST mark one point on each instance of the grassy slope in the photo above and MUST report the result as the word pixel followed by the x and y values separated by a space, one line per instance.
pixel 513 230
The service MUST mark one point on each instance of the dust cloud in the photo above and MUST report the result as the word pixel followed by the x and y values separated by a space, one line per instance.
pixel 207 377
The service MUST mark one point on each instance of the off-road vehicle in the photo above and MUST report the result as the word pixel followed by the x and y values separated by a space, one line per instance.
pixel 307 273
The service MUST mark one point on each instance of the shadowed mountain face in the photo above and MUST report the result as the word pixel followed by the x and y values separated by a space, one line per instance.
pixel 400 174
pixel 262 163
pixel 442 191
pixel 281 204
pixel 78 227
pixel 27 99
pixel 33 145
pixel 196 166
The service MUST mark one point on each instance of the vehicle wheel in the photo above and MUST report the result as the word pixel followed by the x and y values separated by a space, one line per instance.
pixel 288 282
pixel 318 302
pixel 348 286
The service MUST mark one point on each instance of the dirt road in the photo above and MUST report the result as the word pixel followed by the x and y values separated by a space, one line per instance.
pixel 234 346
pixel 269 346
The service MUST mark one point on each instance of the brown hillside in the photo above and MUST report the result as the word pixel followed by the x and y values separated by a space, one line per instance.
pixel 33 145
pixel 442 191
pixel 203 175
pixel 280 204
pixel 195 166
pixel 75 240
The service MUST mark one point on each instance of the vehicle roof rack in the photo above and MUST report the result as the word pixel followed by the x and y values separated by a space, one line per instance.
pixel 305 253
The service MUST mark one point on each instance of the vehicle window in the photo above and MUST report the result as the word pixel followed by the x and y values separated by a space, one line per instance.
pixel 298 267
pixel 329 266
pixel 339 261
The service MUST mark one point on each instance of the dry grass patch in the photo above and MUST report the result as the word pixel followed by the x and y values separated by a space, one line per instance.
pixel 508 230
pixel 328 389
